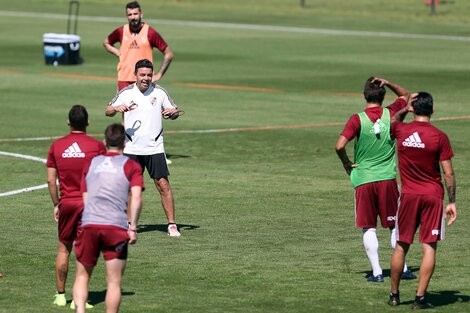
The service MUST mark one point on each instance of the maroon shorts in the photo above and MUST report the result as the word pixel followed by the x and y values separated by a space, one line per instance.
pixel 123 84
pixel 377 198
pixel 425 211
pixel 70 219
pixel 92 239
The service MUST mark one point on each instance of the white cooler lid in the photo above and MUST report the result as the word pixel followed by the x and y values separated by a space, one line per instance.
pixel 60 38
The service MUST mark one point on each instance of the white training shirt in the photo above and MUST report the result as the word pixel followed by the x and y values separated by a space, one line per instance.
pixel 143 122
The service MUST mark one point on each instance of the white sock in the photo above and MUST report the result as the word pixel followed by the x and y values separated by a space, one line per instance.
pixel 393 242
pixel 371 244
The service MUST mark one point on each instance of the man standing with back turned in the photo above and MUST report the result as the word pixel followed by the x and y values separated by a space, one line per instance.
pixel 373 173
pixel 143 105
pixel 421 147
pixel 65 161
pixel 106 184
pixel 136 42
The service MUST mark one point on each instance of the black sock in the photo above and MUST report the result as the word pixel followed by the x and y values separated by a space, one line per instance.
pixel 419 299
pixel 61 292
pixel 395 295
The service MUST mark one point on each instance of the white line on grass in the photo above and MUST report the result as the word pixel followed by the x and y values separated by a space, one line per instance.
pixel 27 157
pixel 29 139
pixel 322 31
pixel 235 129
pixel 14 192
pixel 193 131
pixel 23 156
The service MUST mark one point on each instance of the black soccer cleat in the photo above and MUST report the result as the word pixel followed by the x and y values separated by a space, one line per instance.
pixel 421 305
pixel 375 279
pixel 408 275
pixel 394 300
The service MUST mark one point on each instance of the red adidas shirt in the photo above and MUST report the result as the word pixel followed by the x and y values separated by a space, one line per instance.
pixel 421 146
pixel 352 128
pixel 68 155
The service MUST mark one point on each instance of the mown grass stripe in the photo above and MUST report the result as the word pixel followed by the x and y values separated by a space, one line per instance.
pixel 321 31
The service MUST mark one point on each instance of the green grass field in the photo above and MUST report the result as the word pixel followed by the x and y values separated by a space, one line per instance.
pixel 266 210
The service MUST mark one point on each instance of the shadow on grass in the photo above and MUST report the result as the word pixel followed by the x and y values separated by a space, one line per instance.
pixel 446 297
pixel 163 227
pixel 176 156
pixel 438 298
pixel 386 272
pixel 95 297
pixel 442 298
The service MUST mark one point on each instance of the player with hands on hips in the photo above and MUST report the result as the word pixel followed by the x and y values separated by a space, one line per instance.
pixel 136 41
pixel 373 172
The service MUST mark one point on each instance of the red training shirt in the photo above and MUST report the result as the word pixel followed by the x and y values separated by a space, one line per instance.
pixel 68 155
pixel 421 146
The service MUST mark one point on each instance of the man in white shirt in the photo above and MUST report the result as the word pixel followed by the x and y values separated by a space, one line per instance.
pixel 143 105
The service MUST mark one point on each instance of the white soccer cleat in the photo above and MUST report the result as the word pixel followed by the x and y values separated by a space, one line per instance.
pixel 173 231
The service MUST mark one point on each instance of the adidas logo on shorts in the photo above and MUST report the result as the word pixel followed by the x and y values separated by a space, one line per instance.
pixel 73 151
pixel 413 141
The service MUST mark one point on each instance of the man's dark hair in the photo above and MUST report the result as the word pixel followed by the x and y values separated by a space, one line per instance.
pixel 373 93
pixel 133 5
pixel 423 105
pixel 78 117
pixel 115 135
pixel 143 63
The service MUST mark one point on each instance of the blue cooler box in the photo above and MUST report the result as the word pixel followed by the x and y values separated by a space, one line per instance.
pixel 62 49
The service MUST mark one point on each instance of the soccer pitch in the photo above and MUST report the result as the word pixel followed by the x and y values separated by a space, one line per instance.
pixel 265 209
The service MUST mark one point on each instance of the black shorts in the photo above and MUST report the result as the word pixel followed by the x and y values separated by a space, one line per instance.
pixel 154 163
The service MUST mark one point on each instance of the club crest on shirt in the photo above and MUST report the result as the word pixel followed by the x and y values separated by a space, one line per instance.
pixel 153 101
